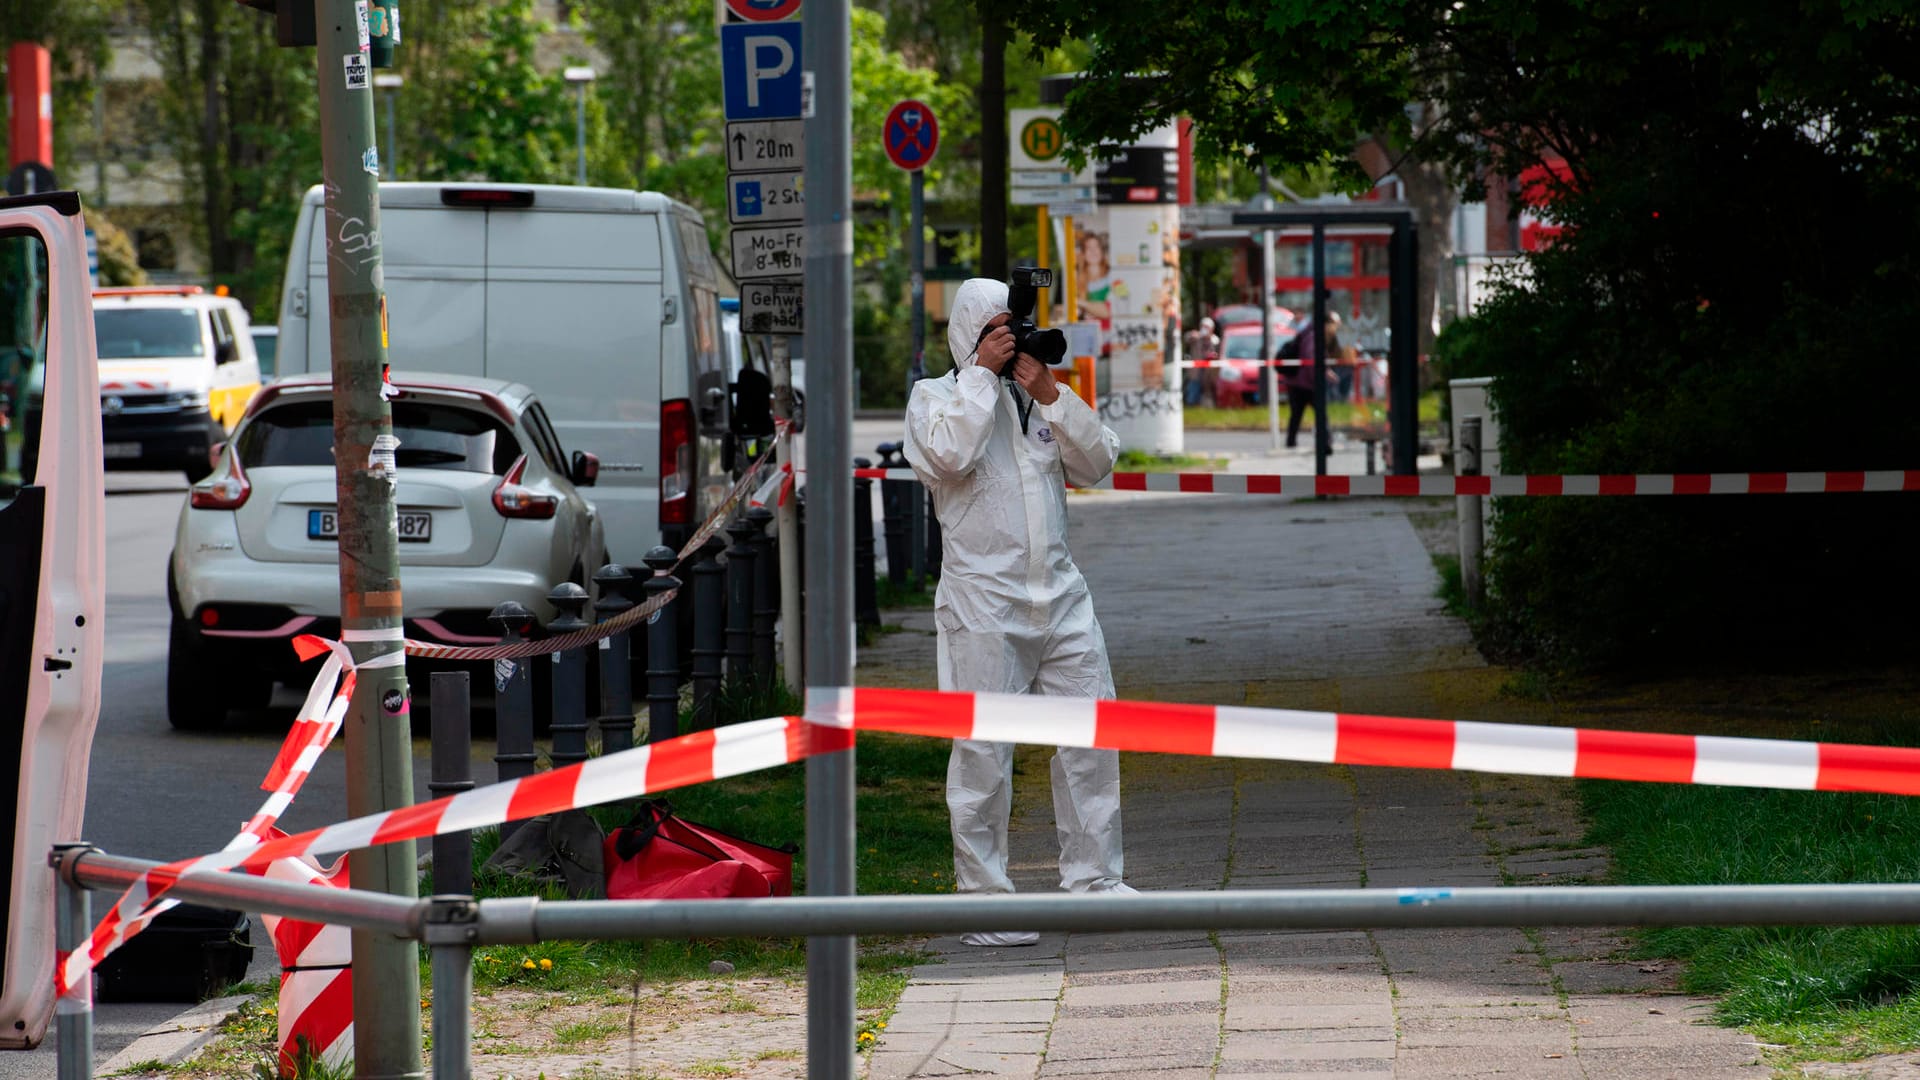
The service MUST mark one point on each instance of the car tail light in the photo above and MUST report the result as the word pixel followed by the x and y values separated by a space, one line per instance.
pixel 229 492
pixel 676 462
pixel 514 501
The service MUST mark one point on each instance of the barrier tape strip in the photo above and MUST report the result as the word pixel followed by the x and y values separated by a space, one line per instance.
pixel 1152 727
pixel 1213 483
pixel 1254 362
pixel 318 721
pixel 314 727
pixel 627 619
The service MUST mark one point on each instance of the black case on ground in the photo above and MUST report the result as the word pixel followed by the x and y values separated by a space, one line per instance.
pixel 186 954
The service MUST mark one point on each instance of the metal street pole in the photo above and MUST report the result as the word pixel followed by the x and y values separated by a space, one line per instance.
pixel 391 83
pixel 786 520
pixel 1322 438
pixel 825 46
pixel 386 976
pixel 1271 376
pixel 917 251
pixel 580 77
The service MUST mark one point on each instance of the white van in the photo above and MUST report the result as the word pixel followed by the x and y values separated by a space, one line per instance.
pixel 177 368
pixel 604 302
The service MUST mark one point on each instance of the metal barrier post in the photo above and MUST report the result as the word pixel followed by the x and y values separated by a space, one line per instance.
pixel 449 931
pixel 935 545
pixel 1467 509
pixel 569 723
pixel 515 755
pixel 452 774
pixel 709 630
pixel 740 604
pixel 894 513
pixel 663 648
pixel 72 922
pixel 866 602
pixel 616 658
pixel 917 531
pixel 766 597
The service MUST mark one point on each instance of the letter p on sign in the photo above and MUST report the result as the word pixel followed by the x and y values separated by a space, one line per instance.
pixel 759 69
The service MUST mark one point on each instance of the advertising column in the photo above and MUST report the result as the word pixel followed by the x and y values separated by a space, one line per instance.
pixel 1126 273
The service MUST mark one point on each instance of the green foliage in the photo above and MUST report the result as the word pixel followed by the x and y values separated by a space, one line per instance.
pixel 1798 984
pixel 242 121
pixel 491 112
pixel 119 263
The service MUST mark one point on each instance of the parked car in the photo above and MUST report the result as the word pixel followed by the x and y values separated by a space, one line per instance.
pixel 489 510
pixel 755 351
pixel 266 345
pixel 1242 380
pixel 605 302
pixel 177 368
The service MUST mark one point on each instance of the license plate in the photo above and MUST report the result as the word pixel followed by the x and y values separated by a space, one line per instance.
pixel 122 450
pixel 416 526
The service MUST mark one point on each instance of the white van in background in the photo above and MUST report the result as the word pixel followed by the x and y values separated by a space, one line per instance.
pixel 605 302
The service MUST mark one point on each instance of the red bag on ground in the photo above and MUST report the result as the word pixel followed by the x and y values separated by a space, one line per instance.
pixel 658 856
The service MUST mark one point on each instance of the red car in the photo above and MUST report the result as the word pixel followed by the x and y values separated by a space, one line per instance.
pixel 1242 379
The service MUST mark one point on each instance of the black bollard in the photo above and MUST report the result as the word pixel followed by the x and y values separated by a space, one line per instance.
pixel 569 723
pixel 514 754
pixel 934 542
pixel 452 774
pixel 740 604
pixel 896 514
pixel 663 648
pixel 616 674
pixel 766 596
pixel 866 600
pixel 709 630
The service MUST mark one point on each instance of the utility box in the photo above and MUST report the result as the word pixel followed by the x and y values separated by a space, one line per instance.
pixel 1469 397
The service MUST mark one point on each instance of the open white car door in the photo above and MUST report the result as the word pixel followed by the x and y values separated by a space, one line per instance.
pixel 52 584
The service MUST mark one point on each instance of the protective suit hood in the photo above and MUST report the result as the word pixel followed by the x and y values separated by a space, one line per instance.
pixel 976 302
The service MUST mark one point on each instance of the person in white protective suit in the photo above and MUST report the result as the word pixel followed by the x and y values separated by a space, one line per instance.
pixel 1013 612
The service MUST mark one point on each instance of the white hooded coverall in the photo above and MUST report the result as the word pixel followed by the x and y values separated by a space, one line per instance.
pixel 1013 612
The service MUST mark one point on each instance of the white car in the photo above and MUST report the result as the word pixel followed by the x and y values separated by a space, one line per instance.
pixel 489 510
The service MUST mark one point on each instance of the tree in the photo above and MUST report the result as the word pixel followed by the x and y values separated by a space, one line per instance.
pixel 479 105
pixel 241 117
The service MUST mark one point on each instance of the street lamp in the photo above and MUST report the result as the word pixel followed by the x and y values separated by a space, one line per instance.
pixel 580 77
pixel 391 83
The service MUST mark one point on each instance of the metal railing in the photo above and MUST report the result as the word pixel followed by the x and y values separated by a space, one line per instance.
pixel 453 926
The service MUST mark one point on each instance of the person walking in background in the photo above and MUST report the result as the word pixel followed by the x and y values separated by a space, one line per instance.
pixel 1202 344
pixel 1299 377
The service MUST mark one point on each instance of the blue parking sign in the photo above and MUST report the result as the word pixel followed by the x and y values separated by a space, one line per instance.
pixel 746 199
pixel 760 70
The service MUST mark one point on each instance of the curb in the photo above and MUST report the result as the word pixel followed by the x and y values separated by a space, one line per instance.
pixel 174 1041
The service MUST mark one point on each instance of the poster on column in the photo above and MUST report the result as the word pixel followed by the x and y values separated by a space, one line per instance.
pixel 1142 299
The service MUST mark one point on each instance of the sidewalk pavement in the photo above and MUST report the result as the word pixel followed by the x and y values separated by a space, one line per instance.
pixel 1314 605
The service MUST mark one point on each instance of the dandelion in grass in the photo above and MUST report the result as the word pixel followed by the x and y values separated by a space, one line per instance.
pixel 527 964
pixel 546 964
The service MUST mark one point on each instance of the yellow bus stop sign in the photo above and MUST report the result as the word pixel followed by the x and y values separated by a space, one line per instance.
pixel 1042 138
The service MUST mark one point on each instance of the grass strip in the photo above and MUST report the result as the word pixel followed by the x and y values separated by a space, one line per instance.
pixel 1823 991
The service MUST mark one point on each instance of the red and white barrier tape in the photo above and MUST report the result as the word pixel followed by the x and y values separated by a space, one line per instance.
pixel 1217 483
pixel 316 972
pixel 1153 727
pixel 315 726
pixel 1252 362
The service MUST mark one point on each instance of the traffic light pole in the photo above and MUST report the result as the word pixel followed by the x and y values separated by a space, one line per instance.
pixel 386 976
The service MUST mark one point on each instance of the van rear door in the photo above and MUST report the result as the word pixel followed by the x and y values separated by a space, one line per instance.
pixel 433 259
pixel 574 311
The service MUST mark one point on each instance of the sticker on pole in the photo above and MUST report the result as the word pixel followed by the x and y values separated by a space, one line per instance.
pixel 768 253
pixel 772 307
pixel 358 72
pixel 912 135
pixel 761 10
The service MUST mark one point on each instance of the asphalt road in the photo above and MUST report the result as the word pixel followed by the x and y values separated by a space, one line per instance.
pixel 156 793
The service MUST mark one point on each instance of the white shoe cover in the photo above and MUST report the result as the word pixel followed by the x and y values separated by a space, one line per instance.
pixel 999 938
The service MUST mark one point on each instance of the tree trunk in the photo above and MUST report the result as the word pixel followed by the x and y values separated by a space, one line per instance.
pixel 1432 197
pixel 213 176
pixel 993 148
